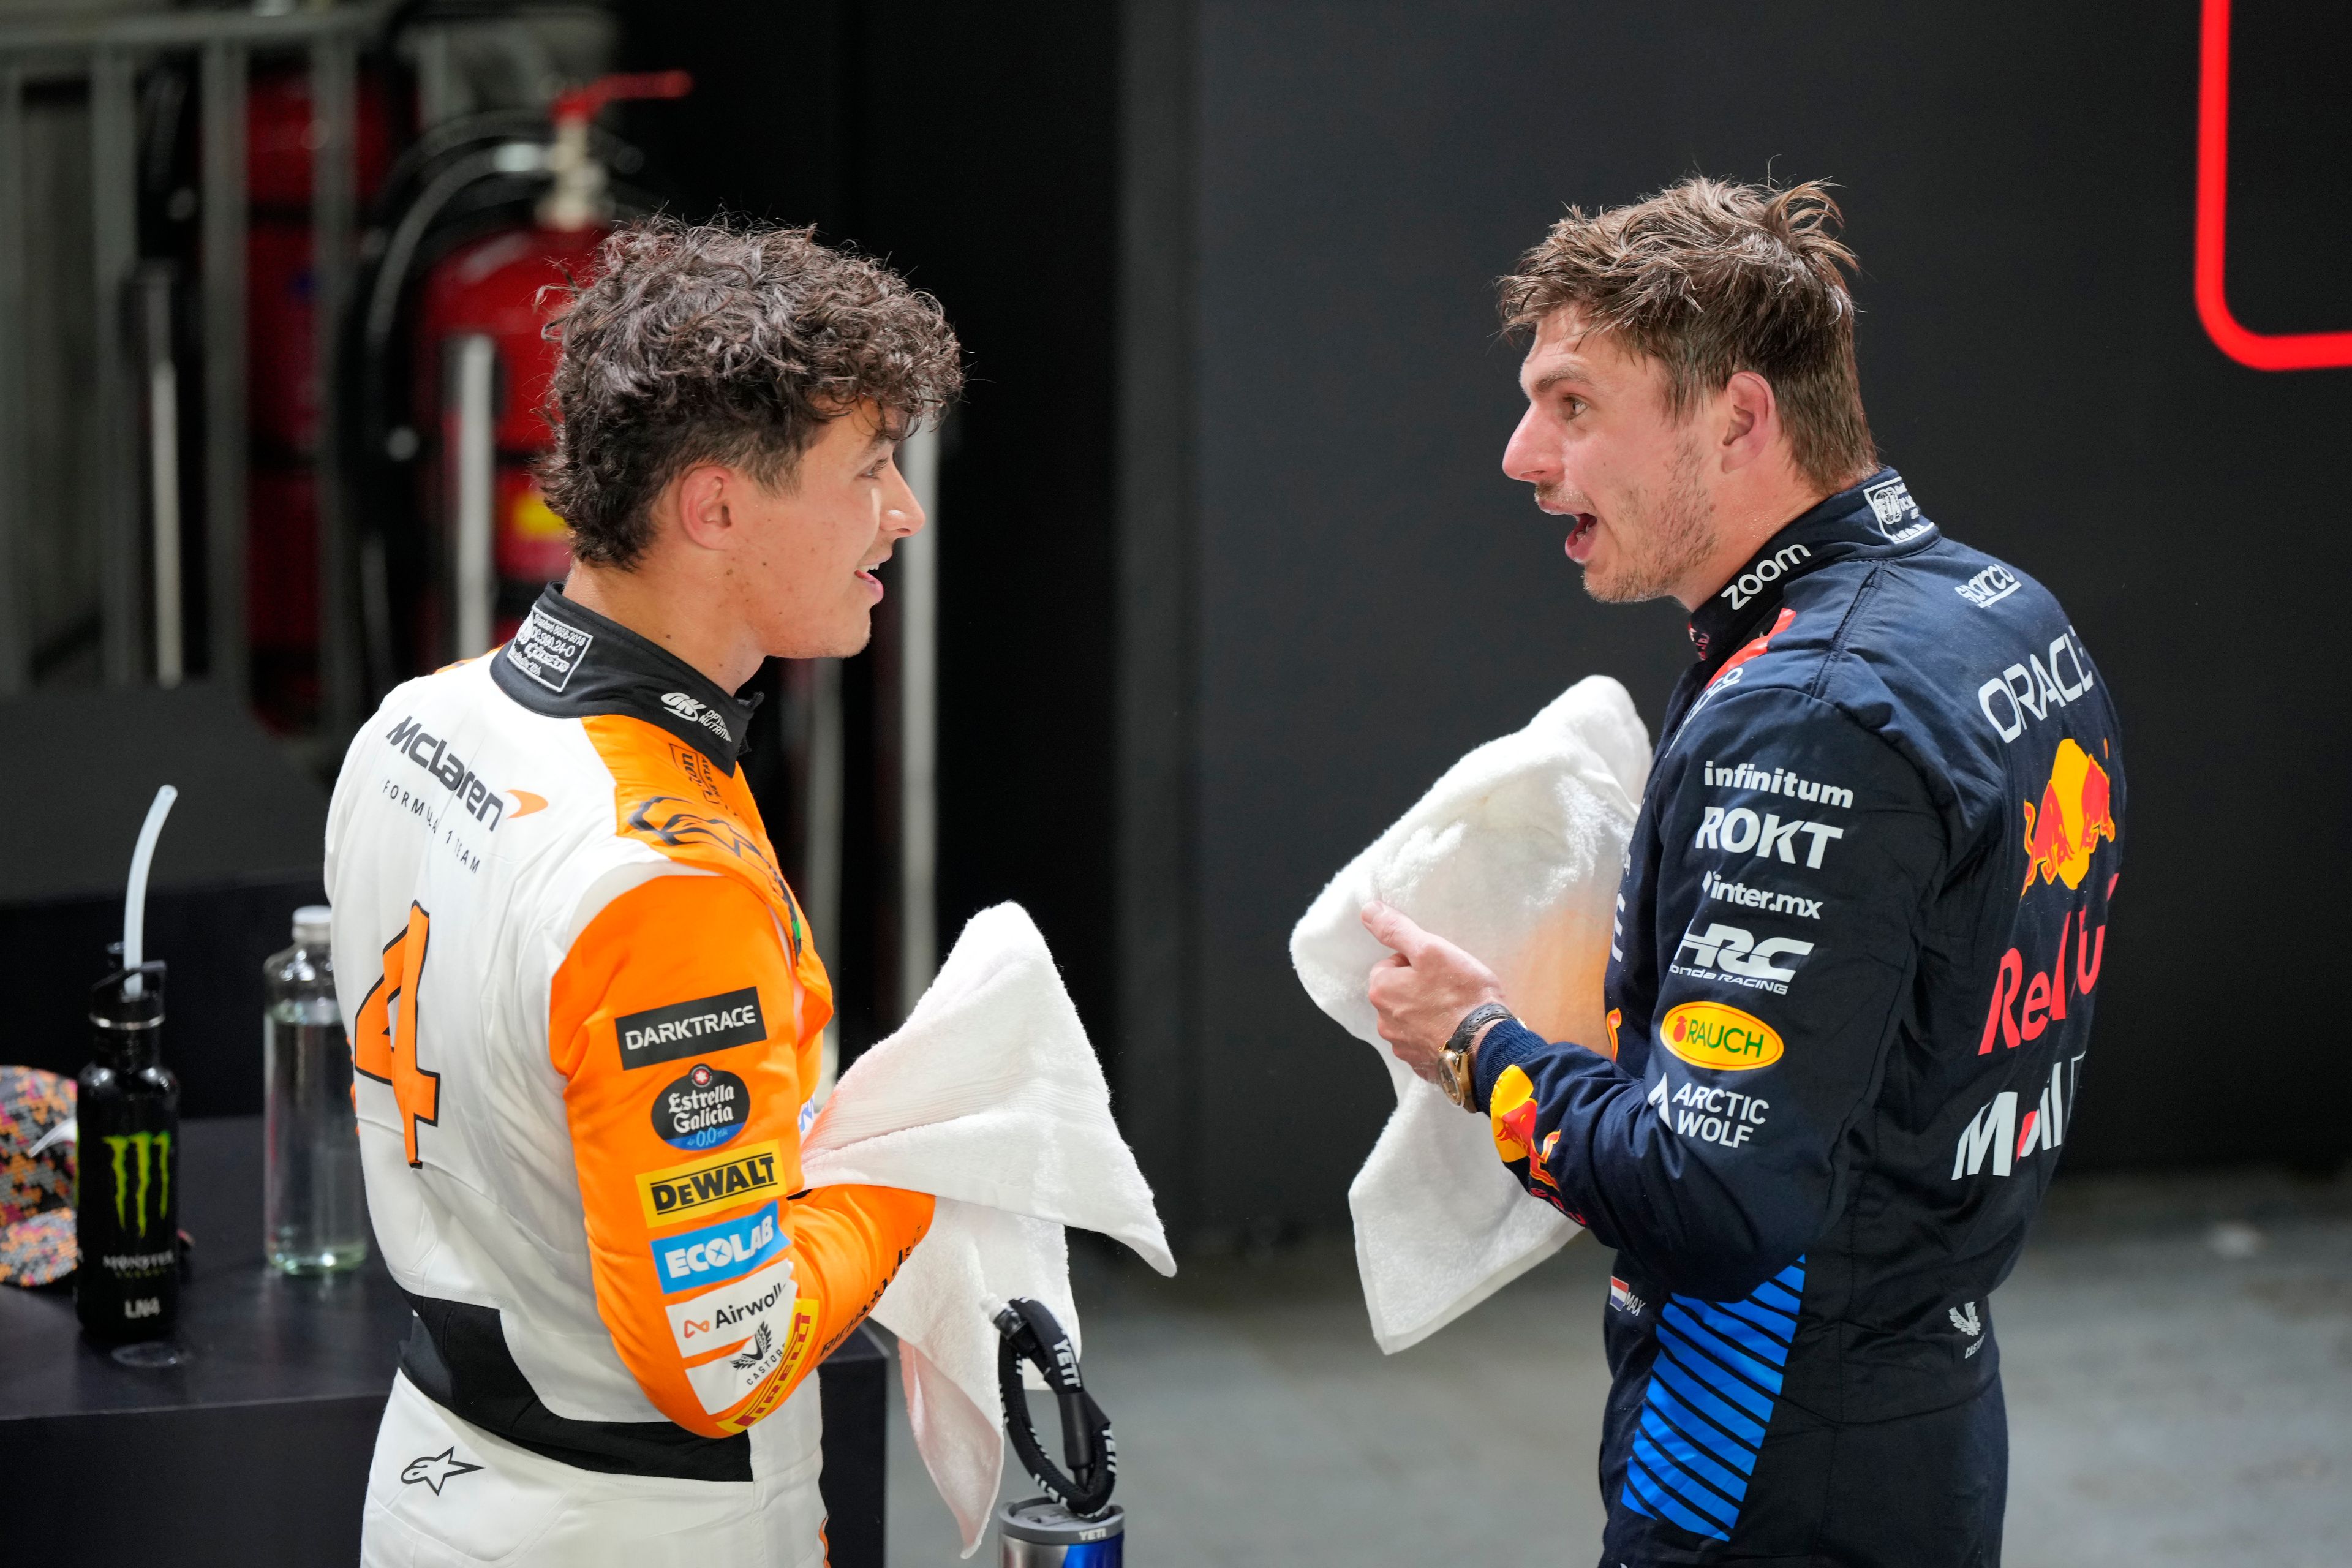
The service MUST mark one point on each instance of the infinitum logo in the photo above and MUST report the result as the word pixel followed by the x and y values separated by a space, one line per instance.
pixel 1776 780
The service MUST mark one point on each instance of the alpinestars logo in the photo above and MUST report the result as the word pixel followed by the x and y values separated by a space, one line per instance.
pixel 1727 953
pixel 1994 1131
pixel 1989 586
pixel 1964 1317
pixel 698 713
pixel 436 1471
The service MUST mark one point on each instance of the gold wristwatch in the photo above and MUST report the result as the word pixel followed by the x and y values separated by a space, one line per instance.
pixel 1460 1084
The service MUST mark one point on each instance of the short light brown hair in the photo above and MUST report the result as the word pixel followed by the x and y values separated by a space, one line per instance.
pixel 1711 278
pixel 698 343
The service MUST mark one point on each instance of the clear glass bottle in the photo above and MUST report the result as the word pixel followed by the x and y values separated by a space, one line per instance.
pixel 314 1211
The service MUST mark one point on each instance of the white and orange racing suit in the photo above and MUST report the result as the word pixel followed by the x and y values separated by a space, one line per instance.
pixel 585 1015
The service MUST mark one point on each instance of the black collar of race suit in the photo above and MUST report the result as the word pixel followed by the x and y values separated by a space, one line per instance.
pixel 1876 517
pixel 568 661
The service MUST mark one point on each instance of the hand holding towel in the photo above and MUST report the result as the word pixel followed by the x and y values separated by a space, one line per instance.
pixel 1513 855
pixel 991 1098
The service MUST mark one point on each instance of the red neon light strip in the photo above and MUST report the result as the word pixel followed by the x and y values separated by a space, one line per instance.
pixel 2262 351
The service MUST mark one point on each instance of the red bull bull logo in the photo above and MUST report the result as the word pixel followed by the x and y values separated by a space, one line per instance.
pixel 2074 815
pixel 1511 1114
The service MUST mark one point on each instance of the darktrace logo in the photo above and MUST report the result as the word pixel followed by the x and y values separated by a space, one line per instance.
pixel 436 1471
pixel 429 751
pixel 698 1027
pixel 696 711
pixel 702 1111
pixel 141 1165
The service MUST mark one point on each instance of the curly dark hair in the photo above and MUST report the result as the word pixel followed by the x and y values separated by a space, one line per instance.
pixel 1711 278
pixel 696 342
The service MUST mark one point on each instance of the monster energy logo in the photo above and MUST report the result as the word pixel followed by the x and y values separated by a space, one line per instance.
pixel 154 1152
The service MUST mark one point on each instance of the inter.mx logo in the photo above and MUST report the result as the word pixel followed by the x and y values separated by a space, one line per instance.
pixel 1995 1135
pixel 150 1155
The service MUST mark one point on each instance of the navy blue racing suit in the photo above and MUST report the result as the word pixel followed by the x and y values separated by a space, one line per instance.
pixel 1859 934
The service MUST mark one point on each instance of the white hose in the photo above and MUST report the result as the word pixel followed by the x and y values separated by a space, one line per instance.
pixel 135 900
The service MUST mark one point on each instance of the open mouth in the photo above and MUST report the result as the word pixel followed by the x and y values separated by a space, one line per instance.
pixel 866 574
pixel 1581 538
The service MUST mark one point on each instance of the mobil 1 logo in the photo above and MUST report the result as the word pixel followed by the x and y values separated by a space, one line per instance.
pixel 694 1028
pixel 702 1111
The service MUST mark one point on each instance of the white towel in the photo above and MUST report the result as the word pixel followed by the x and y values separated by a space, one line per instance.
pixel 991 1098
pixel 1513 855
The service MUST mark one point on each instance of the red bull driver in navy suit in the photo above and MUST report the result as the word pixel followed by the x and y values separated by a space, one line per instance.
pixel 1859 926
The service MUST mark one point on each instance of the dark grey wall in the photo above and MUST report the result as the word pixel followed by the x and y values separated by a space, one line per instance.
pixel 1369 597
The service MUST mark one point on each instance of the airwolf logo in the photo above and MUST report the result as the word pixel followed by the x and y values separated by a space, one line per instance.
pixel 1989 586
pixel 698 713
pixel 1770 570
pixel 151 1154
pixel 1727 953
pixel 1896 513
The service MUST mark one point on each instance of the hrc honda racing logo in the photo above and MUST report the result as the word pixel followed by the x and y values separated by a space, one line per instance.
pixel 698 1027
pixel 1731 954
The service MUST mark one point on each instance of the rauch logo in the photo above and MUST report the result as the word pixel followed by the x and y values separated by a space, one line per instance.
pixel 1710 1035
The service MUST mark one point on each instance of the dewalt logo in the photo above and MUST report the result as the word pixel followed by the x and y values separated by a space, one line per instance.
pixel 143 1166
pixel 702 1185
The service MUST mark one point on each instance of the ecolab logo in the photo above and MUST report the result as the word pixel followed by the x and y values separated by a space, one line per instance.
pixel 1740 831
pixel 2033 689
pixel 1770 570
pixel 1727 953
pixel 1778 781
pixel 1994 1131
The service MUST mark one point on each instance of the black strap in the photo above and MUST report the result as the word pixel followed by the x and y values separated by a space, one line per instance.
pixel 1031 1334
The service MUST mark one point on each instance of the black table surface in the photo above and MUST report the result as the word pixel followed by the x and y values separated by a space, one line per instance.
pixel 251 1334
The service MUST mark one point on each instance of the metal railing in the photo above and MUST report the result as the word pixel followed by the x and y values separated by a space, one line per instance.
pixel 139 610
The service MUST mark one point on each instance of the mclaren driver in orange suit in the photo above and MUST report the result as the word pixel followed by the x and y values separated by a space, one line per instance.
pixel 583 1004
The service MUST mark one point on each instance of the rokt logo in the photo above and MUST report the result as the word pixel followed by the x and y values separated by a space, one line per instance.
pixel 2076 813
pixel 1727 953
pixel 1711 1034
pixel 1740 831
pixel 2036 690
pixel 150 1153
pixel 1994 1131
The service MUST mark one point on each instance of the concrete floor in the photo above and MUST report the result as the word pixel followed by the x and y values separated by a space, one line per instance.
pixel 2177 1356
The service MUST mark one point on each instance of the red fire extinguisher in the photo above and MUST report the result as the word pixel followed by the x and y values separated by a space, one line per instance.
pixel 484 364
